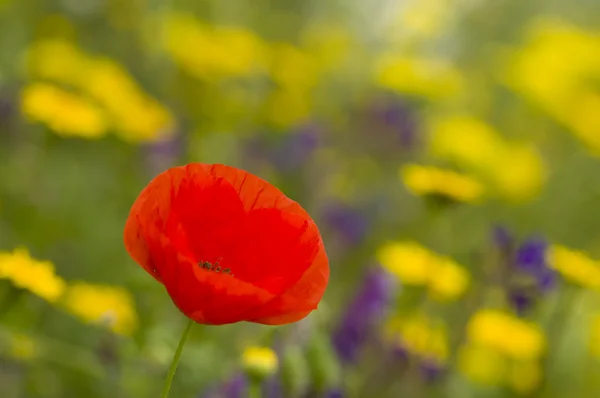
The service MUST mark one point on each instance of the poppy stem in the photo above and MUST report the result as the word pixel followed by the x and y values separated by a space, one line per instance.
pixel 175 361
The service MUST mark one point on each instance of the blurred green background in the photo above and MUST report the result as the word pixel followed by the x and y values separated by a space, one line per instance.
pixel 448 150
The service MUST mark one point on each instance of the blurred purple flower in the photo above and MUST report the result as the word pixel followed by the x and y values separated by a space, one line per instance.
pixel 347 222
pixel 531 255
pixel 364 312
pixel 296 148
pixel 521 300
pixel 236 387
pixel 431 370
pixel 396 117
pixel 503 239
pixel 164 154
pixel 528 272
pixel 335 393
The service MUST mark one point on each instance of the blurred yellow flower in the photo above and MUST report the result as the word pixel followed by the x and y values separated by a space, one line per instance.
pixel 27 273
pixel 514 170
pixel 421 20
pixel 288 108
pixel 421 336
pixel 466 141
pixel 291 67
pixel 520 173
pixel 65 113
pixel 429 78
pixel 594 342
pixel 524 376
pixel 408 261
pixel 259 362
pixel 571 60
pixel 425 180
pixel 575 266
pixel 448 280
pixel 208 52
pixel 415 265
pixel 110 306
pixel 482 364
pixel 136 116
pixel 328 43
pixel 513 337
pixel 488 365
pixel 122 104
pixel 57 60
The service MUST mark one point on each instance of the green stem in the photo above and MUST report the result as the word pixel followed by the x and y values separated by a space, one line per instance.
pixel 254 388
pixel 175 362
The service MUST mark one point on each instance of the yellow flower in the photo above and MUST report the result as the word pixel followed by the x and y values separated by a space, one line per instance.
pixel 519 173
pixel 594 342
pixel 57 60
pixel 259 362
pixel 136 116
pixel 408 261
pixel 225 52
pixel 65 113
pixel 421 180
pixel 482 364
pixel 506 333
pixel 514 170
pixel 288 108
pixel 293 68
pixel 571 59
pixel 27 273
pixel 329 44
pixel 415 265
pixel 122 104
pixel 100 304
pixel 421 336
pixel 429 78
pixel 422 19
pixel 524 376
pixel 466 141
pixel 448 280
pixel 487 365
pixel 575 266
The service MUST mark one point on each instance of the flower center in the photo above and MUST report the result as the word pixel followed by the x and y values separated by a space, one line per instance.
pixel 207 265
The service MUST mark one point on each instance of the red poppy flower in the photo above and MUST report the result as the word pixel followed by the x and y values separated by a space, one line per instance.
pixel 228 246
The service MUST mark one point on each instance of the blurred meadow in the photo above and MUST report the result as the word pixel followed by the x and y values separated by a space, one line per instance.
pixel 449 151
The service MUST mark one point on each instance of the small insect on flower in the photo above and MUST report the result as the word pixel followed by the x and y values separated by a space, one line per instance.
pixel 228 246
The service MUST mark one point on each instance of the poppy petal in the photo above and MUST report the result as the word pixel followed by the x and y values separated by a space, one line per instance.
pixel 194 215
pixel 302 298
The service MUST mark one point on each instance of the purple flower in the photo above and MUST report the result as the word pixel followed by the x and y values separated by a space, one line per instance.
pixel 296 148
pixel 503 239
pixel 164 154
pixel 236 387
pixel 431 370
pixel 521 300
pixel 335 393
pixel 527 272
pixel 347 222
pixel 364 312
pixel 398 119
pixel 531 255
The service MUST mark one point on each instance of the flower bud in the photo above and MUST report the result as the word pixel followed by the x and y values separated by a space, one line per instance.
pixel 259 362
